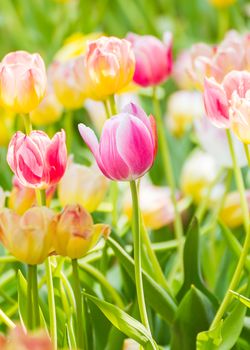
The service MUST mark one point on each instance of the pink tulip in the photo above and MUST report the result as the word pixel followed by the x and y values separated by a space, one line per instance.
pixel 153 58
pixel 127 146
pixel 37 160
pixel 22 81
pixel 228 104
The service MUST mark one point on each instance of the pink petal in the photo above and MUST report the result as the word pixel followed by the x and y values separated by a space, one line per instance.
pixel 91 141
pixel 112 161
pixel 238 81
pixel 134 144
pixel 216 103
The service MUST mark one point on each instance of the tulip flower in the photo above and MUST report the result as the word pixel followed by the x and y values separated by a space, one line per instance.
pixel 22 198
pixel 109 66
pixel 227 104
pixel 127 146
pixel 27 237
pixel 222 3
pixel 37 160
pixel 198 172
pixel 82 185
pixel 75 233
pixel 180 71
pixel 69 85
pixel 153 58
pixel 182 109
pixel 22 81
pixel 20 339
pixel 49 110
pixel 231 213
pixel 75 45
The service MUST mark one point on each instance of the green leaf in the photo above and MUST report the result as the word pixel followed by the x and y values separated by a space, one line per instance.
pixel 155 295
pixel 124 322
pixel 225 335
pixel 194 315
pixel 191 260
pixel 244 300
pixel 22 297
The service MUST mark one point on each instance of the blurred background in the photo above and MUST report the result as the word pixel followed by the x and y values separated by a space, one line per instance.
pixel 43 25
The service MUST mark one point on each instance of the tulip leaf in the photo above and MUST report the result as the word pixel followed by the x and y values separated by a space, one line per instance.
pixel 194 315
pixel 225 335
pixel 155 295
pixel 244 300
pixel 124 322
pixel 22 297
pixel 191 260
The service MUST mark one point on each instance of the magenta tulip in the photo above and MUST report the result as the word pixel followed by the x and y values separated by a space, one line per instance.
pixel 37 160
pixel 153 58
pixel 127 146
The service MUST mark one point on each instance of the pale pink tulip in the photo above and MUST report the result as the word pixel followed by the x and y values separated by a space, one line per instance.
pixel 109 66
pixel 22 81
pixel 153 58
pixel 37 160
pixel 228 104
pixel 127 146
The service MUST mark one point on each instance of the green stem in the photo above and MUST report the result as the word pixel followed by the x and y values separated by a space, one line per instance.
pixel 106 106
pixel 243 257
pixel 247 153
pixel 112 105
pixel 137 255
pixel 27 123
pixel 35 297
pixel 6 320
pixel 41 200
pixel 29 299
pixel 163 145
pixel 81 327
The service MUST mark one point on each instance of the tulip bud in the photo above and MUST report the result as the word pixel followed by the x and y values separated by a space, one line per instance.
pixel 199 171
pixel 182 109
pixel 37 160
pixel 27 237
pixel 128 144
pixel 82 185
pixel 19 339
pixel 153 58
pixel 69 88
pixel 22 81
pixel 231 213
pixel 109 66
pixel 75 233
pixel 48 111
pixel 130 344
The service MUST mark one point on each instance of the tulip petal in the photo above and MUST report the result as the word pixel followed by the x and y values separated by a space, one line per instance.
pixel 216 103
pixel 238 81
pixel 91 141
pixel 134 144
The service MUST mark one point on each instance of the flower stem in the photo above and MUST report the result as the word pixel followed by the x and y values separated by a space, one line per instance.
pixel 81 327
pixel 27 123
pixel 68 121
pixel 137 255
pixel 247 153
pixel 29 299
pixel 242 260
pixel 163 145
pixel 41 200
pixel 35 296
pixel 112 105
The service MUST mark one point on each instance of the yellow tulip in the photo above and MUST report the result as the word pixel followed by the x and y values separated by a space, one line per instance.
pixel 75 232
pixel 222 3
pixel 49 110
pixel 27 237
pixel 82 185
pixel 75 46
pixel 231 213
pixel 199 171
